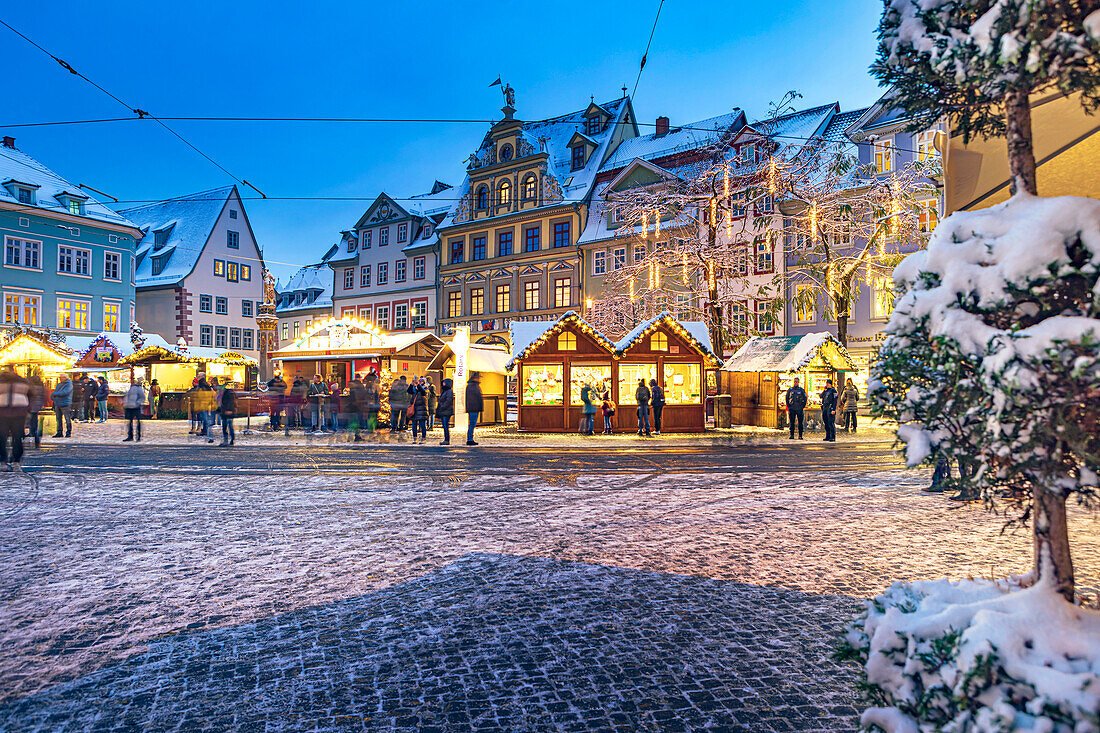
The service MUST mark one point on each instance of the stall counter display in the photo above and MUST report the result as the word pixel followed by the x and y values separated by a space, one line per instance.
pixel 543 384
pixel 682 384
pixel 597 375
pixel 629 374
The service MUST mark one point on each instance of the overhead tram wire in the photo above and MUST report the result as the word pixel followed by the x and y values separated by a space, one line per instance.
pixel 141 114
pixel 645 53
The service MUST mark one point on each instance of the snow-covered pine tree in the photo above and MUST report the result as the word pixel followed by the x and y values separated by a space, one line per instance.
pixel 137 335
pixel 977 62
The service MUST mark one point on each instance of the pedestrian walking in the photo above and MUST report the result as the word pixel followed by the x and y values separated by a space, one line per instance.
pixel 227 406
pixel 36 394
pixel 848 401
pixel 433 402
pixel 642 395
pixel 828 410
pixel 204 403
pixel 62 399
pixel 317 394
pixel 102 390
pixel 446 409
pixel 217 387
pixel 131 407
pixel 475 404
pixel 420 411
pixel 588 411
pixel 399 392
pixel 608 409
pixel 14 406
pixel 657 400
pixel 406 402
pixel 336 406
pixel 796 404
pixel 276 396
pixel 154 400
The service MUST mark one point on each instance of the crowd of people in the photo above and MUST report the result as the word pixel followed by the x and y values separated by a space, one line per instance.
pixel 319 407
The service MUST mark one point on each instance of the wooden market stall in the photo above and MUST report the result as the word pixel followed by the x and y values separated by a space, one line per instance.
pixel 758 375
pixel 176 367
pixel 339 348
pixel 555 359
pixel 490 362
pixel 30 350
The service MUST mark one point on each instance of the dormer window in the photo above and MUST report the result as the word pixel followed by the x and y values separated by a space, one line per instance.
pixel 482 201
pixel 73 203
pixel 26 195
pixel 160 237
pixel 591 125
pixel 76 208
pixel 578 157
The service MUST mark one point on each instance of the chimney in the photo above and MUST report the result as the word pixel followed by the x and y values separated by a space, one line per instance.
pixel 9 142
pixel 662 126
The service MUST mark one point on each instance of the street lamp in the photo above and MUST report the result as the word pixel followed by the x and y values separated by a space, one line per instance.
pixel 413 312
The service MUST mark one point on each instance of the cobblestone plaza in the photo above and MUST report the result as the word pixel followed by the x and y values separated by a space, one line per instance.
pixel 521 589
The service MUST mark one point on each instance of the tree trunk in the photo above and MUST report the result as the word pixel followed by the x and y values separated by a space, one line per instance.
pixel 1052 559
pixel 1021 153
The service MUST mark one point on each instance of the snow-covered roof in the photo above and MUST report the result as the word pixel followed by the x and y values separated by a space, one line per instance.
pixel 315 281
pixel 677 140
pixel 527 335
pixel 15 165
pixel 118 339
pixel 173 353
pixel 402 341
pixel 695 333
pixel 788 353
pixel 190 220
pixel 479 358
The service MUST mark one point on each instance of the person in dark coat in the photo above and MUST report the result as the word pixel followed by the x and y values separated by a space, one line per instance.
pixel 78 400
pixel 796 404
pixel 642 395
pixel 91 387
pixel 357 406
pixel 373 404
pixel 62 398
pixel 36 393
pixel 608 408
pixel 657 401
pixel 588 396
pixel 227 407
pixel 433 402
pixel 14 407
pixel 276 397
pixel 828 410
pixel 420 410
pixel 398 394
pixel 446 409
pixel 318 395
pixel 475 405
pixel 101 392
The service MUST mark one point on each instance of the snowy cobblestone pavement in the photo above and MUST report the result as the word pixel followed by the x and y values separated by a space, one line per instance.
pixel 672 599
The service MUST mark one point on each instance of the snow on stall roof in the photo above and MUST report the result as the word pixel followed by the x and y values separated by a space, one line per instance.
pixel 119 339
pixel 192 218
pixel 15 165
pixel 785 353
pixel 490 359
pixel 696 329
pixel 401 341
pixel 525 333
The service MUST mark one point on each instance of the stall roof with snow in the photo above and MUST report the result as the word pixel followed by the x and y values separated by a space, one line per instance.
pixel 695 333
pixel 528 336
pixel 790 354
pixel 479 358
pixel 352 338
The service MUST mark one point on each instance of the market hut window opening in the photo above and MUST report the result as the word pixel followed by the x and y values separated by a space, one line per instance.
pixel 567 341
pixel 658 342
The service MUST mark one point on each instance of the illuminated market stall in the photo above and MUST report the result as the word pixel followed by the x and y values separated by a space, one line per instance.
pixel 490 362
pixel 339 348
pixel 30 350
pixel 758 375
pixel 555 359
pixel 176 367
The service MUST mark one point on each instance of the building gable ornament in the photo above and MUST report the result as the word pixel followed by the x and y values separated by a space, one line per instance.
pixel 562 265
pixel 475 277
pixel 531 270
pixel 551 190
pixel 452 281
pixel 502 273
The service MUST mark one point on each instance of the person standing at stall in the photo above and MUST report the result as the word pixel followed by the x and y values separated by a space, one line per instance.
pixel 36 393
pixel 227 406
pixel 420 410
pixel 608 408
pixel 589 409
pixel 796 403
pixel 848 402
pixel 154 400
pixel 433 401
pixel 276 395
pixel 204 404
pixel 642 395
pixel 446 409
pixel 397 395
pixel 91 387
pixel 828 411
pixel 475 405
pixel 373 404
pixel 102 390
pixel 657 399
pixel 356 406
pixel 131 407
pixel 62 399
pixel 14 406
pixel 317 393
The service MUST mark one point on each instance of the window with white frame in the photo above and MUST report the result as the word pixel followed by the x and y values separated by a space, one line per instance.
pixel 221 306
pixel 22 253
pixel 765 322
pixel 73 314
pixel 232 239
pixel 297 329
pixel 74 260
pixel 804 304
pixel 639 252
pixel 206 335
pixel 418 268
pixel 383 270
pixel 399 271
pixel 382 317
pixel 383 236
pixel 246 308
pixel 400 316
pixel 234 338
pixel 21 308
pixel 111 316
pixel 402 232
pixel 926 145
pixel 477 301
pixel 206 303
pixel 112 266
pixel 531 296
pixel 882 298
pixel 618 258
pixel 563 292
pixel 248 339
pixel 928 214
pixel 454 304
pixel 286 330
pixel 884 155
pixel 420 314
pixel 599 262
pixel 364 276
pixel 765 257
pixel 220 333
pixel 349 278
pixel 366 239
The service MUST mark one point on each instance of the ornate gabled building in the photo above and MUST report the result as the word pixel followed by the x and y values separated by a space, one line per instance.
pixel 509 246
pixel 386 266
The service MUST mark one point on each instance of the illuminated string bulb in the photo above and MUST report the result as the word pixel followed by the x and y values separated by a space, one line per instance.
pixel 729 225
pixel 645 223
pixel 711 282
pixel 813 220
pixel 714 212
pixel 685 268
pixel 657 221
pixel 771 175
pixel 726 182
pixel 631 290
pixel 656 275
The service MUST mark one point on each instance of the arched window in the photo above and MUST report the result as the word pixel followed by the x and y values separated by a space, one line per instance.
pixel 530 188
pixel 482 198
pixel 504 193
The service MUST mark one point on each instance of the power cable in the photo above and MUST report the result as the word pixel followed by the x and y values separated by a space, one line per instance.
pixel 141 114
pixel 645 54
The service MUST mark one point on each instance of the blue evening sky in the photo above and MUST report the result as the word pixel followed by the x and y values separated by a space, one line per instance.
pixel 406 60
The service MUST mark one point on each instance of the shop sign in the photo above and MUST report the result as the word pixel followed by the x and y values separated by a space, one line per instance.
pixel 104 354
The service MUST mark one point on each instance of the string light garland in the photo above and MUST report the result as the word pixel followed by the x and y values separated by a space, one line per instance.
pixel 657 221
pixel 771 176
pixel 714 212
pixel 685 268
